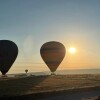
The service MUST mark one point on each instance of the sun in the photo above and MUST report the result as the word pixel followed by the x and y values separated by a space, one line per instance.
pixel 72 50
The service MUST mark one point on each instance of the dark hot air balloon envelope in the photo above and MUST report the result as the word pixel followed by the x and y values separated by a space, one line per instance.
pixel 8 54
pixel 52 53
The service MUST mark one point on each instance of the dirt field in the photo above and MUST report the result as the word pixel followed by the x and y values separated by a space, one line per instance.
pixel 17 86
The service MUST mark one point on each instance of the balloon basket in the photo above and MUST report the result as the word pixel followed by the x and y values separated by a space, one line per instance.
pixel 53 74
pixel 4 76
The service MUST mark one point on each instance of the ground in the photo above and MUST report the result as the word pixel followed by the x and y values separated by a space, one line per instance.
pixel 23 85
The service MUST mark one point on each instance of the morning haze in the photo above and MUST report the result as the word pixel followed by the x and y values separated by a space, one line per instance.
pixel 31 23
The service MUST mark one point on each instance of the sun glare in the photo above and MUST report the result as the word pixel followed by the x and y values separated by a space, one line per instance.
pixel 72 50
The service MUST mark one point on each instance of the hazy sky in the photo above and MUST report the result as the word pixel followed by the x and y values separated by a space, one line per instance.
pixel 30 23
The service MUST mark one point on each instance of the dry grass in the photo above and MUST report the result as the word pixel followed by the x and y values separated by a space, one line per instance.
pixel 36 84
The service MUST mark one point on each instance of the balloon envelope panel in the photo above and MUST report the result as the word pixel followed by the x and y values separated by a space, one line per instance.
pixel 52 53
pixel 8 54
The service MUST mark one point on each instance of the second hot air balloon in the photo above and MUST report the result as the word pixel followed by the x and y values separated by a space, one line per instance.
pixel 52 53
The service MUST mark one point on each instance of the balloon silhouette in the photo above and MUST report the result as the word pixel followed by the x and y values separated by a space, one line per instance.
pixel 26 70
pixel 8 54
pixel 52 53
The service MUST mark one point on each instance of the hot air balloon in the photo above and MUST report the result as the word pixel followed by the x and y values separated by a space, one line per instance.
pixel 52 53
pixel 8 54
pixel 26 71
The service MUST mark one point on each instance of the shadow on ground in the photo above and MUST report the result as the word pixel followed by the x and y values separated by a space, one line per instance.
pixel 20 86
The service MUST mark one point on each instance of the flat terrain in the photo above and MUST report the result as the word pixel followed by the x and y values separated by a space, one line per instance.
pixel 16 86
